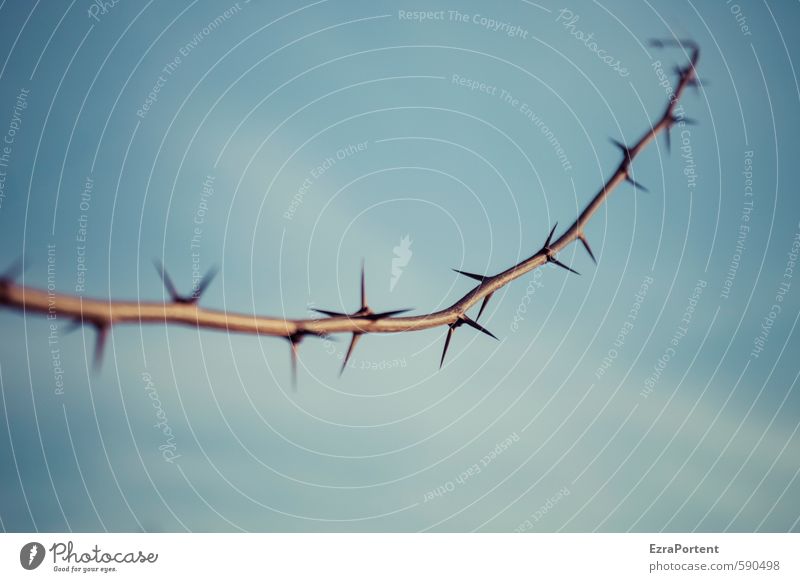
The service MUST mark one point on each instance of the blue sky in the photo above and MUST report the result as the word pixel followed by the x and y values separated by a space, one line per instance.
pixel 326 133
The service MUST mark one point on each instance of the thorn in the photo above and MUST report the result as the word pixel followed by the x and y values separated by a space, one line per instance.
pixel 451 327
pixel 696 84
pixel 462 319
pixel 99 346
pixel 204 283
pixel 294 342
pixel 626 151
pixel 480 278
pixel 548 252
pixel 329 313
pixel 699 82
pixel 364 311
pixel 550 237
pixel 665 42
pixel 471 275
pixel 165 278
pixel 350 348
pixel 585 242
pixel 483 305
pixel 360 313
pixel 681 72
pixel 635 183
pixel 12 272
pixel 672 121
pixel 363 288
pixel 173 292
pixel 476 325
pixel 562 265
pixel 683 43
pixel 385 314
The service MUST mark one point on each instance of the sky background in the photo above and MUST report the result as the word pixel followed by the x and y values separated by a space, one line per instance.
pixel 531 433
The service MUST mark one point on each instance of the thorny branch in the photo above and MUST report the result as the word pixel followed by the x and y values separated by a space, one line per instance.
pixel 102 314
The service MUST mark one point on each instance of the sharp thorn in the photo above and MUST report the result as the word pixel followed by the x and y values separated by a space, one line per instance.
pixel 99 346
pixel 483 305
pixel 363 287
pixel 672 120
pixel 385 314
pixel 635 183
pixel 165 278
pixel 683 43
pixel 563 266
pixel 663 42
pixel 695 84
pixel 476 325
pixel 587 247
pixel 329 313
pixel 204 283
pixel 350 348
pixel 294 340
pixel 550 236
pixel 446 344
pixel 13 271
pixel 471 275
pixel 364 311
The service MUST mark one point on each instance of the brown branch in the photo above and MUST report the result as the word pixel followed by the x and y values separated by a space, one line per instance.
pixel 185 310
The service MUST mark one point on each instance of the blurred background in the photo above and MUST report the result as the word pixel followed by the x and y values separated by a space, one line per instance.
pixel 284 142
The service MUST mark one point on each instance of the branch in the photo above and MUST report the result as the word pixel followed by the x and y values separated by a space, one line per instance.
pixel 185 309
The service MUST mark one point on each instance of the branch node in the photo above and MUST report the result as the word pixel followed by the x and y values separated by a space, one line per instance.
pixel 550 255
pixel 176 297
pixel 480 278
pixel 461 320
pixel 365 311
pixel 627 153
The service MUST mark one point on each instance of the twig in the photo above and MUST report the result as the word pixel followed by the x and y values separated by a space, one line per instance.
pixel 102 314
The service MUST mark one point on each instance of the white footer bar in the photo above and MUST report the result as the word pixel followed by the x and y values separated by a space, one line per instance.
pixel 389 557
